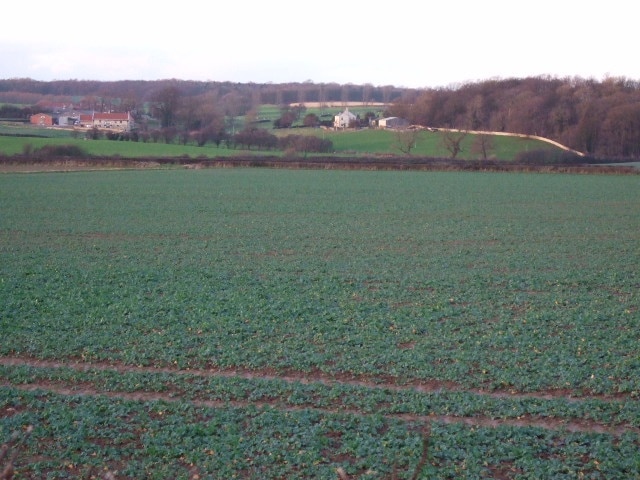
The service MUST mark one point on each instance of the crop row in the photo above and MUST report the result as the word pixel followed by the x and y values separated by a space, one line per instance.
pixel 384 400
pixel 80 436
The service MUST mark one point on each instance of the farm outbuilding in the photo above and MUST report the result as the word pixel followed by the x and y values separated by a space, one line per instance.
pixel 43 119
pixel 66 120
pixel 392 122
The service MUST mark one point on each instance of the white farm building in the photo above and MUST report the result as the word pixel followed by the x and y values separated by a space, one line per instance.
pixel 344 119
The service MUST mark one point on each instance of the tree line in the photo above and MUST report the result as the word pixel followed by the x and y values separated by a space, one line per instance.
pixel 600 118
pixel 110 94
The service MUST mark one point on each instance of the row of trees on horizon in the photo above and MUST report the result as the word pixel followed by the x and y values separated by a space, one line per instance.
pixel 601 118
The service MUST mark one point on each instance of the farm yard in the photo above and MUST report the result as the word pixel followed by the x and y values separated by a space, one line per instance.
pixel 272 323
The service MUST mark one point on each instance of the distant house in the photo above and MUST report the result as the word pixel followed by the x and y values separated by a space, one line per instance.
pixel 114 121
pixel 392 122
pixel 344 119
pixel 110 121
pixel 42 119
pixel 86 120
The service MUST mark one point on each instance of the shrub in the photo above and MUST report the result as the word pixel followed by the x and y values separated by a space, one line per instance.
pixel 548 157
pixel 258 137
pixel 27 149
pixel 60 151
pixel 305 143
pixel 93 134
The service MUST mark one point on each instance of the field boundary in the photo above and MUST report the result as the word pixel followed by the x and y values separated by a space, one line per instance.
pixel 18 164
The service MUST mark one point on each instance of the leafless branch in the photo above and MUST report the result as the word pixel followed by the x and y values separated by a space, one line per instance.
pixel 9 452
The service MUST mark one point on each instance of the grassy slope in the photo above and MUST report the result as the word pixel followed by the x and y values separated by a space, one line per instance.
pixel 15 145
pixel 365 141
pixel 428 144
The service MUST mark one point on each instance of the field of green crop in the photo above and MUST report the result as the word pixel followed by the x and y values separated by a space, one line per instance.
pixel 254 323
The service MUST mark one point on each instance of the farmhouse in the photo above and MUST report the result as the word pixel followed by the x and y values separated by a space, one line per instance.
pixel 392 122
pixel 43 119
pixel 344 119
pixel 112 121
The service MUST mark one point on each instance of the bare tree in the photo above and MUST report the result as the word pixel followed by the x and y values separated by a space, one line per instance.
pixel 188 113
pixel 9 452
pixel 233 109
pixel 184 135
pixel 302 94
pixel 344 94
pixel 482 144
pixel 167 103
pixel 286 119
pixel 367 89
pixel 168 134
pixel 405 140
pixel 255 100
pixel 129 103
pixel 452 141
pixel 251 116
pixel 588 130
pixel 213 132
pixel 322 98
pixel 386 93
pixel 621 131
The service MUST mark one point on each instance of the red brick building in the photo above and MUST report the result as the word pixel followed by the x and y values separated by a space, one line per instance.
pixel 42 119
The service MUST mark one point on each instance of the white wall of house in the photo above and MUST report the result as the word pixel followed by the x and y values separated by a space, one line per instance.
pixel 344 119
pixel 122 122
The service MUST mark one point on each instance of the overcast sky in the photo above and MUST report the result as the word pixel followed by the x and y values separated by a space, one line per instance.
pixel 407 43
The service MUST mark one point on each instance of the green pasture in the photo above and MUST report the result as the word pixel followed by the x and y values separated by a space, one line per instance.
pixel 365 142
pixel 269 112
pixel 473 283
pixel 428 144
pixel 12 128
pixel 112 148
pixel 273 112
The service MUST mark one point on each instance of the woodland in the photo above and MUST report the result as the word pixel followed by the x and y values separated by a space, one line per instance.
pixel 598 117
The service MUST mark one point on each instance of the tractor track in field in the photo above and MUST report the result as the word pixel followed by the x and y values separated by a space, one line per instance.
pixel 82 389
